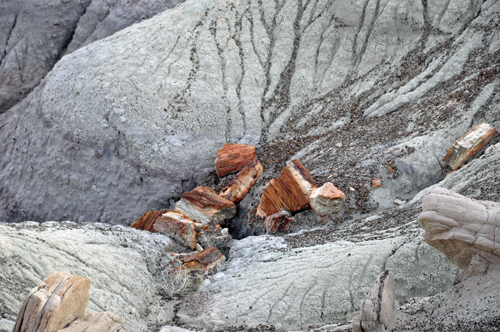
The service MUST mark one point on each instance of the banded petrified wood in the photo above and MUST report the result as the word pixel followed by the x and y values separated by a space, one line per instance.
pixel 233 157
pixel 147 220
pixel 327 199
pixel 178 227
pixel 288 192
pixel 279 222
pixel 201 261
pixel 236 190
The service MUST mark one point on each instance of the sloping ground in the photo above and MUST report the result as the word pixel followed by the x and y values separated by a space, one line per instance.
pixel 124 266
pixel 35 34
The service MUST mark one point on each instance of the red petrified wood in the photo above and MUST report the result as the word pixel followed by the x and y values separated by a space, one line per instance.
pixel 233 157
pixel 288 192
pixel 236 190
pixel 201 261
pixel 277 222
pixel 178 227
pixel 202 204
pixel 470 145
pixel 147 220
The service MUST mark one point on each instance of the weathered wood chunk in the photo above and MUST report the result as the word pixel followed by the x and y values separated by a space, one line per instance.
pixel 290 191
pixel 178 227
pixel 202 204
pixel 236 190
pixel 96 322
pixel 56 302
pixel 280 222
pixel 327 199
pixel 233 157
pixel 147 220
pixel 202 260
pixel 470 145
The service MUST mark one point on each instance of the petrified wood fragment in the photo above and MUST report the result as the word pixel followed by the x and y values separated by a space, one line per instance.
pixel 202 260
pixel 56 302
pixel 178 227
pixel 96 322
pixel 327 199
pixel 236 190
pixel 461 227
pixel 288 192
pixel 470 145
pixel 147 220
pixel 377 306
pixel 280 222
pixel 202 204
pixel 233 157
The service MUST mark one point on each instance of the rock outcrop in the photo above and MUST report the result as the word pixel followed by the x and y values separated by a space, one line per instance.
pixel 239 186
pixel 288 192
pixel 327 199
pixel 202 204
pixel 178 227
pixel 147 220
pixel 278 222
pixel 233 157
pixel 377 307
pixel 52 305
pixel 461 228
pixel 470 145
pixel 96 322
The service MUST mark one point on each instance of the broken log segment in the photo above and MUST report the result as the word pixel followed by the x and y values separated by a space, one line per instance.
pixel 290 191
pixel 178 227
pixel 233 157
pixel 201 261
pixel 147 220
pixel 236 190
pixel 279 222
pixel 327 199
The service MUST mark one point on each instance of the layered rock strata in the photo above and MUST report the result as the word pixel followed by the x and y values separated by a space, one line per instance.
pixel 327 199
pixel 236 190
pixel 233 157
pixel 178 227
pixel 96 322
pixel 147 220
pixel 56 302
pixel 377 307
pixel 290 191
pixel 462 228
pixel 202 204
pixel 470 145
pixel 279 222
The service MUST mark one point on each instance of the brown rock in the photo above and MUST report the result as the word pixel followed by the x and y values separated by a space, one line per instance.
pixel 233 157
pixel 236 190
pixel 327 199
pixel 202 204
pixel 96 322
pixel 201 261
pixel 56 302
pixel 147 220
pixel 470 145
pixel 288 192
pixel 178 227
pixel 376 183
pixel 280 222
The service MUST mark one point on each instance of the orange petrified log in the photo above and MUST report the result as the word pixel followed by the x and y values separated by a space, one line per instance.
pixel 178 227
pixel 236 190
pixel 201 261
pixel 147 220
pixel 288 192
pixel 233 157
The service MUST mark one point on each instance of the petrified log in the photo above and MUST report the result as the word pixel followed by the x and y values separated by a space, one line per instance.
pixel 470 145
pixel 96 322
pixel 288 192
pixel 178 227
pixel 56 302
pixel 377 306
pixel 202 204
pixel 461 227
pixel 233 157
pixel 201 261
pixel 280 222
pixel 327 199
pixel 236 190
pixel 147 220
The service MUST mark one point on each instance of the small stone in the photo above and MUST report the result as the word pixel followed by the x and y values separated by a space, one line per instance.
pixel 202 204
pixel 327 199
pixel 352 189
pixel 236 190
pixel 280 222
pixel 178 227
pixel 96 322
pixel 470 145
pixel 233 157
pixel 201 261
pixel 147 220
pixel 376 183
pixel 492 148
pixel 52 305
pixel 399 202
